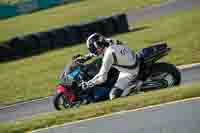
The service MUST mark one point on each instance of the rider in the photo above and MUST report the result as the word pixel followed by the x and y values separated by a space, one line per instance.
pixel 116 55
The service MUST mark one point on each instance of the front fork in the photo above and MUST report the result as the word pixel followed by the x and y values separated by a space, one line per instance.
pixel 67 93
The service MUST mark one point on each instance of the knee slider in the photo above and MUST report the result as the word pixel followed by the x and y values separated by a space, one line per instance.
pixel 116 93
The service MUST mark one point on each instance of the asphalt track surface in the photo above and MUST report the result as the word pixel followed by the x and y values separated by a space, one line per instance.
pixel 183 117
pixel 168 8
pixel 26 110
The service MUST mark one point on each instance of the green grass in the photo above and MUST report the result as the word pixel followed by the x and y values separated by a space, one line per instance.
pixel 67 14
pixel 12 2
pixel 94 110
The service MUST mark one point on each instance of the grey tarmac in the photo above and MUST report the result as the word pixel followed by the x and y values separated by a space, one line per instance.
pixel 166 9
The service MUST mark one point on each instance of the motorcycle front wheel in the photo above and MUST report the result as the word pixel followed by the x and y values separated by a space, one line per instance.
pixel 60 101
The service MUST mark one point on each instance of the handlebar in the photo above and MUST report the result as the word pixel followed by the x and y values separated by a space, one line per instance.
pixel 80 59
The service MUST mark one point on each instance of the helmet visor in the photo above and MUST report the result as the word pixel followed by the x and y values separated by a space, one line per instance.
pixel 92 49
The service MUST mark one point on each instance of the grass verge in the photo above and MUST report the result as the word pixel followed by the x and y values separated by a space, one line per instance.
pixel 94 110
pixel 82 11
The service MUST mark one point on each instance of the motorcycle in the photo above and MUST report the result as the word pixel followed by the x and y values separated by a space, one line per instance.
pixel 153 74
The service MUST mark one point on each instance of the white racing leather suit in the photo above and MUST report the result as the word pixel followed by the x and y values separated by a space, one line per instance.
pixel 123 59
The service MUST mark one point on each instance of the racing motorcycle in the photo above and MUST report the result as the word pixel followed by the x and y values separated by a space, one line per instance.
pixel 155 75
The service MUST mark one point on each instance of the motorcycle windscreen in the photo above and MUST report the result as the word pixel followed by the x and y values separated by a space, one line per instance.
pixel 75 73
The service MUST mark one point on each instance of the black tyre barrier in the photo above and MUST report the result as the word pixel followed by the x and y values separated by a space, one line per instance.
pixel 58 35
pixel 109 28
pixel 121 23
pixel 98 26
pixel 57 38
pixel 89 28
pixel 31 44
pixel 24 46
pixel 6 52
pixel 18 46
pixel 46 40
pixel 73 35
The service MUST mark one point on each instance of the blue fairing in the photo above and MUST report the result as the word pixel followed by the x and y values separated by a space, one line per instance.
pixel 75 74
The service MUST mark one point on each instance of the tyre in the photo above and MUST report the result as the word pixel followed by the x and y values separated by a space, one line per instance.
pixel 60 102
pixel 121 23
pixel 164 75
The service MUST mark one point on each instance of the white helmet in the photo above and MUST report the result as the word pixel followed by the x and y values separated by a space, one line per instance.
pixel 95 41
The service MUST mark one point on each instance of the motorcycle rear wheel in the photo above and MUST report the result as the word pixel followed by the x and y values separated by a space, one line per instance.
pixel 164 75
